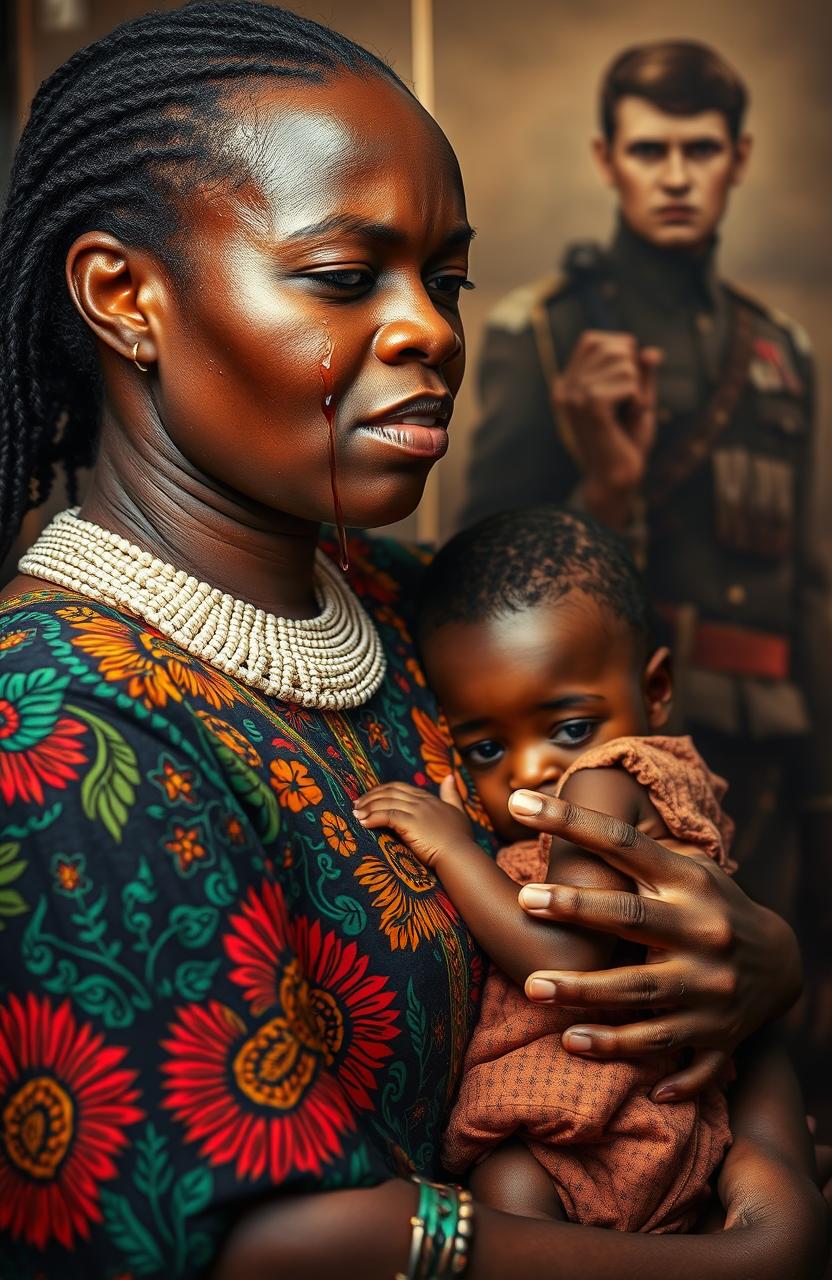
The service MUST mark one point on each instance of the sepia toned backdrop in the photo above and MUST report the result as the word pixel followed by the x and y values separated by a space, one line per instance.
pixel 516 85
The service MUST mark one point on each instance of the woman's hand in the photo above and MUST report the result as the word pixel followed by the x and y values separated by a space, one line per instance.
pixel 727 964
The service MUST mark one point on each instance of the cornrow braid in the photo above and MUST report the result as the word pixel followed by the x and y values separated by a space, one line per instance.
pixel 115 135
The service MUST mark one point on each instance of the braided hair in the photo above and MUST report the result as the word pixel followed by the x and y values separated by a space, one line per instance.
pixel 116 137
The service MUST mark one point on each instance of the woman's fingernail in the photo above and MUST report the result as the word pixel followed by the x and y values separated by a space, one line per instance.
pixel 666 1094
pixel 578 1041
pixel 541 989
pixel 534 898
pixel 525 802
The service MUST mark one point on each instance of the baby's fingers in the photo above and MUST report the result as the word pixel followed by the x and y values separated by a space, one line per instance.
pixel 382 811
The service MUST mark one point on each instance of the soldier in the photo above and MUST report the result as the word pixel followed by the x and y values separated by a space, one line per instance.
pixel 643 388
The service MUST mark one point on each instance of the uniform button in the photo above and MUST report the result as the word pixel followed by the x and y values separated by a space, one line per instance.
pixel 721 418
pixel 736 594
pixel 664 416
pixel 609 290
pixel 790 423
pixel 704 322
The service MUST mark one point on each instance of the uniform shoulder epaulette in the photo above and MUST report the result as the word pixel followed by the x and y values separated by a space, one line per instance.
pixel 514 312
pixel 800 338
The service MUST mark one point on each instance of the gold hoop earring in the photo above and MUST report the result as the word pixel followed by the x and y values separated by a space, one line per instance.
pixel 142 367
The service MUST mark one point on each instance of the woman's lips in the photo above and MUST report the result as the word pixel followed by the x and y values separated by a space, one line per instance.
pixel 420 437
pixel 417 426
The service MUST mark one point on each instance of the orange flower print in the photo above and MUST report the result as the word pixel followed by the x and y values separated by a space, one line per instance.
pixel 153 669
pixel 233 830
pixel 338 834
pixel 231 737
pixel 416 672
pixel 296 788
pixel 15 640
pixel 177 784
pixel 376 732
pixel 69 871
pixel 439 762
pixel 186 846
pixel 413 907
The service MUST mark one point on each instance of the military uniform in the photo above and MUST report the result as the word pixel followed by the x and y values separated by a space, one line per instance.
pixel 726 530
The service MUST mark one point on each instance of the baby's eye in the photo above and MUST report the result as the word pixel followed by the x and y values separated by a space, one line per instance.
pixel 573 733
pixel 482 753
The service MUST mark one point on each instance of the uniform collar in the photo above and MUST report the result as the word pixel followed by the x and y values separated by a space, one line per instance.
pixel 668 278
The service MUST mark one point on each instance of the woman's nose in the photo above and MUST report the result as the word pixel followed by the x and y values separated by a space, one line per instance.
pixel 422 335
pixel 535 768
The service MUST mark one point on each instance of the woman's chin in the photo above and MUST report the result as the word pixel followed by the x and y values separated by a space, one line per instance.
pixel 387 504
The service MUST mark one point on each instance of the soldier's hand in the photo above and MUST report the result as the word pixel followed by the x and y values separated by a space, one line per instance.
pixel 607 394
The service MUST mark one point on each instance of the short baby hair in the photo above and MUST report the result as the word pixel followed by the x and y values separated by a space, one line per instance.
pixel 517 559
pixel 681 77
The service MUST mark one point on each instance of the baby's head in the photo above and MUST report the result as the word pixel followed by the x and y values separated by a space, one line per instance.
pixel 535 632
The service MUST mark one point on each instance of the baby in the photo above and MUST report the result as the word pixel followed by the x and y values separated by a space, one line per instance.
pixel 535 634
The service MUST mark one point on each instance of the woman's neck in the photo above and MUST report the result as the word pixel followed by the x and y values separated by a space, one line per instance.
pixel 153 497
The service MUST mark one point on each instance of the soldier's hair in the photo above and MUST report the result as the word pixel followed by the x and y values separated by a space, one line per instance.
pixel 116 139
pixel 681 77
pixel 515 560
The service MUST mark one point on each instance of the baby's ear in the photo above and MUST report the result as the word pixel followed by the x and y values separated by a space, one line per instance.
pixel 657 685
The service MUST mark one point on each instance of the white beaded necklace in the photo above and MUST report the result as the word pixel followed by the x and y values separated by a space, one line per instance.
pixel 332 661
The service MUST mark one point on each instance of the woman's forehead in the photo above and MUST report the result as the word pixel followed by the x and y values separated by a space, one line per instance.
pixel 363 143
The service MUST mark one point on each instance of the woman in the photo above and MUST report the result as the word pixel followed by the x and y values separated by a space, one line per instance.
pixel 216 983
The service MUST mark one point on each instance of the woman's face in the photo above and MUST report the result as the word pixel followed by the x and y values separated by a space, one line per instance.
pixel 350 238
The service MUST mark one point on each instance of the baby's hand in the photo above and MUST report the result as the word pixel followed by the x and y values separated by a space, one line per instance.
pixel 430 825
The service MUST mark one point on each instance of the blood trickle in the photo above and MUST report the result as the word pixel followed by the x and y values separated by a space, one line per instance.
pixel 328 410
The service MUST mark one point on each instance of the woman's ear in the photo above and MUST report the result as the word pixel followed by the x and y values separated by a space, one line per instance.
pixel 657 686
pixel 116 291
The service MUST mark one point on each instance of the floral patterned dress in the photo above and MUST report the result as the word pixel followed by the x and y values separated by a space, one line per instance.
pixel 213 981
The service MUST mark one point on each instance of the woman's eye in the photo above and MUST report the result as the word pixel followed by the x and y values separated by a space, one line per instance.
pixel 450 286
pixel 572 733
pixel 348 280
pixel 482 753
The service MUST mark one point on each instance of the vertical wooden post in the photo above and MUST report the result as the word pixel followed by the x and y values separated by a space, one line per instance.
pixel 421 29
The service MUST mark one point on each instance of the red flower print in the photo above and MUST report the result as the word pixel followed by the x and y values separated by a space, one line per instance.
pixel 281 1097
pixel 297 717
pixel 65 1100
pixel 38 746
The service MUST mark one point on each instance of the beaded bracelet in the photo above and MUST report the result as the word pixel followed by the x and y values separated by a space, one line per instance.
pixel 441 1232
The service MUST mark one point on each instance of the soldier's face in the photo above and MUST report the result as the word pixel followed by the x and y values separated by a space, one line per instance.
pixel 527 693
pixel 673 174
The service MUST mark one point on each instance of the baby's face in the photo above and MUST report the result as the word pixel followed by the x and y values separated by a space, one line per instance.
pixel 528 693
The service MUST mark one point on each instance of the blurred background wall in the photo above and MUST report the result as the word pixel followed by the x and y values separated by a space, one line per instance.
pixel 516 85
